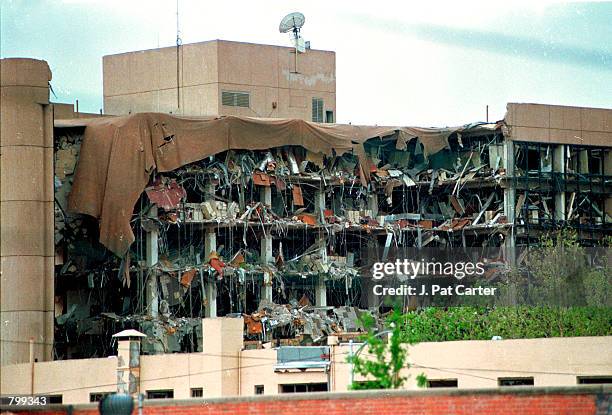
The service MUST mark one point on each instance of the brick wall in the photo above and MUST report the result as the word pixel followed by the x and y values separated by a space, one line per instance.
pixel 524 401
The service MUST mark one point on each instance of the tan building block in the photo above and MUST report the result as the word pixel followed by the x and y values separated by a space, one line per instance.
pixel 21 120
pixel 565 118
pixel 24 72
pixel 531 115
pixel 27 173
pixel 594 119
pixel 202 99
pixel 18 327
pixel 202 56
pixel 208 68
pixel 27 228
pixel 26 274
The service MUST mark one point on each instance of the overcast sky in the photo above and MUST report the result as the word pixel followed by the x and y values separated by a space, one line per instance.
pixel 398 63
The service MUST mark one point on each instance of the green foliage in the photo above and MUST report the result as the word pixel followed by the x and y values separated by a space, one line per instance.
pixel 385 359
pixel 561 272
pixel 480 323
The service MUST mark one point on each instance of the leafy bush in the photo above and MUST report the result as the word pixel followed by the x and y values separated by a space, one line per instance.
pixel 479 323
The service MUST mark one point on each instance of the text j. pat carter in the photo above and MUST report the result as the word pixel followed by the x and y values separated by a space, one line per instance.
pixel 434 289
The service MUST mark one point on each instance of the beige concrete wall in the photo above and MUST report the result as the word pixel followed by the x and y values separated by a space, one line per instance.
pixel 258 369
pixel 147 80
pixel 478 363
pixel 73 379
pixel 559 124
pixel 26 210
pixel 475 364
pixel 62 111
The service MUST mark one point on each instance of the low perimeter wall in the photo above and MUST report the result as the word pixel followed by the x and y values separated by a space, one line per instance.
pixel 515 400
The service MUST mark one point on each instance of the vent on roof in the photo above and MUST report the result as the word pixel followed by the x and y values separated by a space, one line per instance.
pixel 235 99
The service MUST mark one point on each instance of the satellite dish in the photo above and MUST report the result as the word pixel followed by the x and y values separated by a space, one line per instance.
pixel 292 22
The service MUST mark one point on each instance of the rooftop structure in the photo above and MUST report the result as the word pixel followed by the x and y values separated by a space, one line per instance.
pixel 220 77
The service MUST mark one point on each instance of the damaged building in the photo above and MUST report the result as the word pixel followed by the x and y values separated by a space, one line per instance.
pixel 161 221
pixel 154 222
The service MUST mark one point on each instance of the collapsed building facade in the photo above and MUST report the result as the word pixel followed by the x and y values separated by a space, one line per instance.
pixel 156 223
pixel 161 221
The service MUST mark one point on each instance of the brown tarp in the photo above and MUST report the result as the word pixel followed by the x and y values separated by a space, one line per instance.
pixel 119 154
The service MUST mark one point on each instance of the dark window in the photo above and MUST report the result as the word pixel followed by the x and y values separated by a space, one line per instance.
pixel 515 381
pixel 161 394
pixel 56 399
pixel 329 116
pixel 197 392
pixel 594 380
pixel 303 387
pixel 235 99
pixel 98 396
pixel 317 110
pixel 259 389
pixel 442 383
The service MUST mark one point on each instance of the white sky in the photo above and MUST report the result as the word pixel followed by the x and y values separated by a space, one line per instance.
pixel 398 62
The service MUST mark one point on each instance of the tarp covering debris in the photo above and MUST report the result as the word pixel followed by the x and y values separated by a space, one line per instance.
pixel 119 154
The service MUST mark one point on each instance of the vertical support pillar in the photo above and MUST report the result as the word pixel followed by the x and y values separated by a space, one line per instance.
pixel 210 245
pixel 320 286
pixel 152 241
pixel 320 292
pixel 152 294
pixel 559 167
pixel 265 247
pixel 265 290
pixel 319 205
pixel 510 199
pixel 373 203
pixel 607 170
pixel 265 194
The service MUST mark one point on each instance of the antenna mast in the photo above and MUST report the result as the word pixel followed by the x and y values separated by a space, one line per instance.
pixel 178 46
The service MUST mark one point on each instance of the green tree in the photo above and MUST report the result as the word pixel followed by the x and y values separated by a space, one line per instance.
pixel 385 359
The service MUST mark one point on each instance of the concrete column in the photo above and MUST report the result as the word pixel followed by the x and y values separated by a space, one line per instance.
pixel 320 292
pixel 559 167
pixel 265 195
pixel 320 287
pixel 152 295
pixel 510 191
pixel 26 211
pixel 266 258
pixel 152 241
pixel 319 205
pixel 373 203
pixel 210 245
pixel 510 200
pixel 608 172
pixel 265 290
